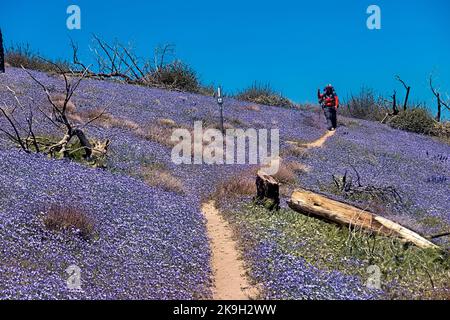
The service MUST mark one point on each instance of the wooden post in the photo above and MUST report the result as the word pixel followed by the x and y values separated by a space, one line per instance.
pixel 267 191
pixel 2 54
pixel 220 102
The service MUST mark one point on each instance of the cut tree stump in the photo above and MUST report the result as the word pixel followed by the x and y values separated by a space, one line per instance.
pixel 309 203
pixel 267 191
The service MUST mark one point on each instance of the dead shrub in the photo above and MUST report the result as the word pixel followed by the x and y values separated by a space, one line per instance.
pixel 287 172
pixel 295 151
pixel 252 107
pixel 66 218
pixel 59 100
pixel 105 119
pixel 217 126
pixel 158 176
pixel 129 124
pixel 159 134
pixel 167 122
pixel 236 187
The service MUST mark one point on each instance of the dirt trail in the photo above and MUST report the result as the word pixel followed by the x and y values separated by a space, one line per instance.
pixel 230 280
pixel 317 143
pixel 320 142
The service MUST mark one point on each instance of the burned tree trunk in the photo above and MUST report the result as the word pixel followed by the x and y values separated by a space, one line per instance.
pixel 2 54
pixel 408 89
pixel 439 106
pixel 394 104
pixel 440 102
pixel 84 142
pixel 267 191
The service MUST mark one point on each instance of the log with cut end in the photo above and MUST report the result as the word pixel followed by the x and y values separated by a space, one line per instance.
pixel 267 191
pixel 309 203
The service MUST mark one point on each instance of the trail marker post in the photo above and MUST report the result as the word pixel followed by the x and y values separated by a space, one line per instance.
pixel 220 103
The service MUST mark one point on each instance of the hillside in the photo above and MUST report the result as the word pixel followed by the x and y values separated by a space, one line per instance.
pixel 150 240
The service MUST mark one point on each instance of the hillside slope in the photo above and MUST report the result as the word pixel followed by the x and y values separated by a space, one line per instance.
pixel 150 239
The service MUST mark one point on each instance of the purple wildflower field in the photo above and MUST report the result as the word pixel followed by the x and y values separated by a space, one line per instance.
pixel 417 166
pixel 287 276
pixel 150 242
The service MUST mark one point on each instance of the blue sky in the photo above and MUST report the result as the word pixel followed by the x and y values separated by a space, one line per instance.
pixel 297 46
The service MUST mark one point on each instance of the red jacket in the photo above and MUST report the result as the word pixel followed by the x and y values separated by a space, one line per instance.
pixel 328 100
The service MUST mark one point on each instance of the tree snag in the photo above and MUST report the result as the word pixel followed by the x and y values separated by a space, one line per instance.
pixel 59 116
pixel 407 88
pixel 394 104
pixel 440 102
pixel 267 191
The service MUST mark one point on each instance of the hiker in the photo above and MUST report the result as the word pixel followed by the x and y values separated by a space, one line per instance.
pixel 330 103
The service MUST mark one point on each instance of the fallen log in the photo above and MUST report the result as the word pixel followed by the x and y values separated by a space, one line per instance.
pixel 309 203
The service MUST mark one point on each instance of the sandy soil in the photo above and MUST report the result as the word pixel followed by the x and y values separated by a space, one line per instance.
pixel 230 280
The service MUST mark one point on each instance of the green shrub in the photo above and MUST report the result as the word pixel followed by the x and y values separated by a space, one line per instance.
pixel 365 106
pixel 442 130
pixel 176 75
pixel 21 55
pixel 264 94
pixel 416 120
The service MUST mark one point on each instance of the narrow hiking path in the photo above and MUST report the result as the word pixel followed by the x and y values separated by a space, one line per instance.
pixel 317 143
pixel 230 279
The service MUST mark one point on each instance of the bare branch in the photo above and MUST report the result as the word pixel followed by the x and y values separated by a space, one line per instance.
pixel 407 88
pixel 31 131
pixel 401 81
pixel 437 94
pixel 16 137
pixel 107 52
pixel 440 102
